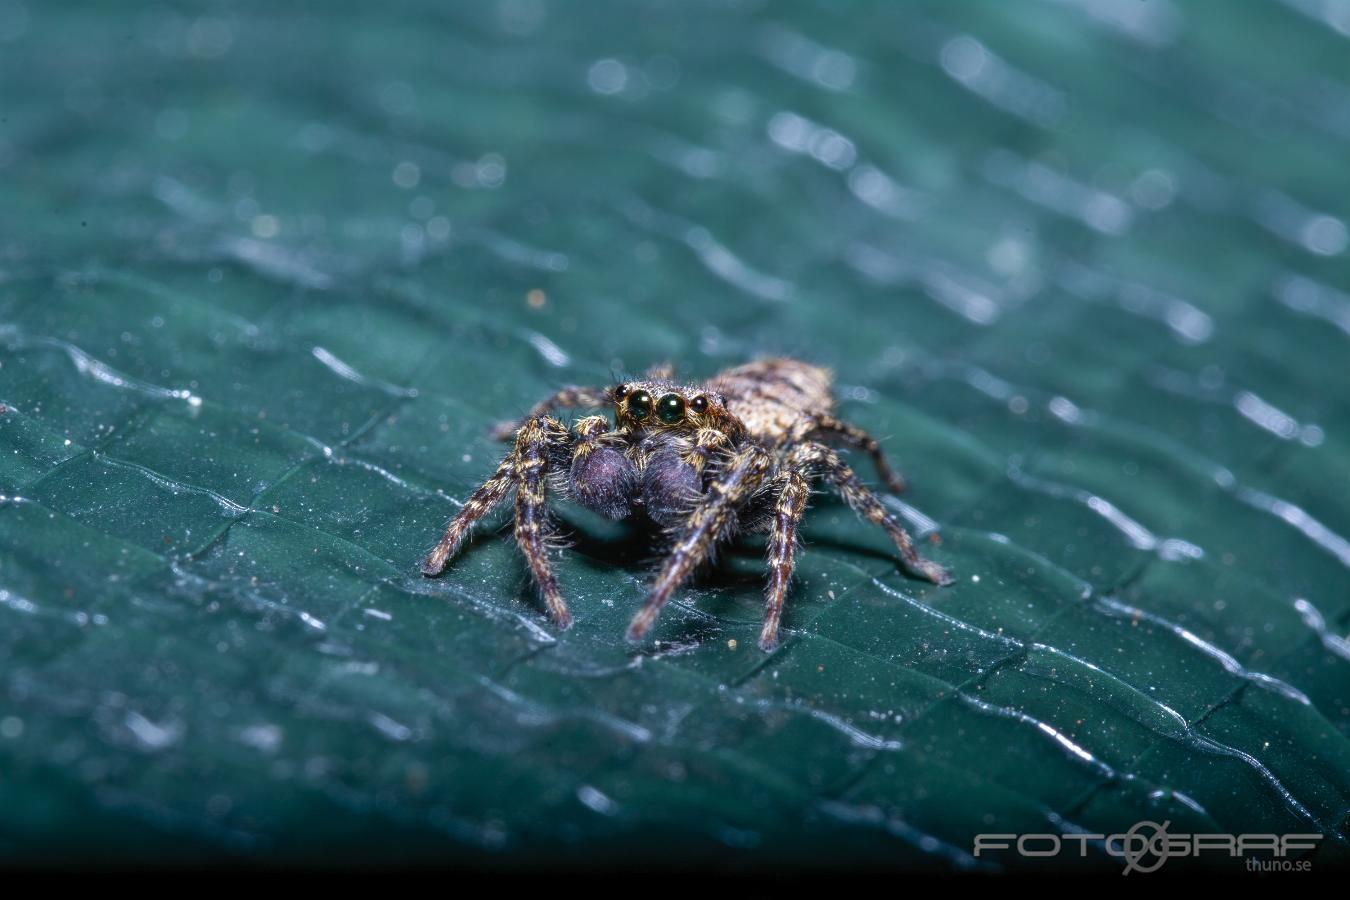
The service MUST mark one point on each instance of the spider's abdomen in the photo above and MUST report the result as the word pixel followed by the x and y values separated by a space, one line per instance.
pixel 776 399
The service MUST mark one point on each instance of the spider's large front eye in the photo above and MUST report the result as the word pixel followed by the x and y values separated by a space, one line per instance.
pixel 670 409
pixel 640 405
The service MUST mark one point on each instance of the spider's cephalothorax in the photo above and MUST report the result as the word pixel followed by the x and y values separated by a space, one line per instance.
pixel 702 461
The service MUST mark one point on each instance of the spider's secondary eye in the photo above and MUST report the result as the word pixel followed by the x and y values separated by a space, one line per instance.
pixel 670 409
pixel 620 392
pixel 699 404
pixel 640 405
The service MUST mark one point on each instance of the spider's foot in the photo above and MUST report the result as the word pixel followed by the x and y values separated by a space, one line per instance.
pixel 896 485
pixel 768 640
pixel 935 573
pixel 434 564
pixel 558 612
pixel 641 624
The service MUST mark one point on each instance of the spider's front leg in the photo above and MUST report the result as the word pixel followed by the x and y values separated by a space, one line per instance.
pixel 821 460
pixel 712 518
pixel 526 468
pixel 480 503
pixel 569 397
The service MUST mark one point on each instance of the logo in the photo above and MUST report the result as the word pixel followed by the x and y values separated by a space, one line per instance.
pixel 1148 845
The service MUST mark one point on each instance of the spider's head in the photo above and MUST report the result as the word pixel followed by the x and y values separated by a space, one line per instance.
pixel 666 406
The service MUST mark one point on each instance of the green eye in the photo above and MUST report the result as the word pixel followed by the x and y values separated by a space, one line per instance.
pixel 670 409
pixel 640 405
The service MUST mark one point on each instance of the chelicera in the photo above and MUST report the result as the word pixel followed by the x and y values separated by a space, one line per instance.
pixel 702 461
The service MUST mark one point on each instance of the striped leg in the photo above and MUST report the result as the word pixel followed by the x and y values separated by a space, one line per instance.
pixel 711 520
pixel 830 427
pixel 531 526
pixel 525 469
pixel 479 504
pixel 788 510
pixel 567 398
pixel 824 461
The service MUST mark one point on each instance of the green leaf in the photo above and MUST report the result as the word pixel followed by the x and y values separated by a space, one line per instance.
pixel 268 273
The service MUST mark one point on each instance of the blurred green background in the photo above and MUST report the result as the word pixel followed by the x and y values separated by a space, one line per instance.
pixel 268 271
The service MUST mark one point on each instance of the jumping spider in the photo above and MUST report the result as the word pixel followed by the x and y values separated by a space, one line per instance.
pixel 701 461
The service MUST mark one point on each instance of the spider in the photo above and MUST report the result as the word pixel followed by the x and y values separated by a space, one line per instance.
pixel 702 461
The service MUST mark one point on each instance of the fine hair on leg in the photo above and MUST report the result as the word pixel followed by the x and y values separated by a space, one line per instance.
pixel 826 462
pixel 480 503
pixel 829 427
pixel 789 507
pixel 571 397
pixel 526 470
pixel 711 520
pixel 531 524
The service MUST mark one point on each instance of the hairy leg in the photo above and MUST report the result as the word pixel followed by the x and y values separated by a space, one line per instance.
pixel 828 427
pixel 525 469
pixel 788 511
pixel 567 398
pixel 711 519
pixel 818 458
pixel 531 526
pixel 480 503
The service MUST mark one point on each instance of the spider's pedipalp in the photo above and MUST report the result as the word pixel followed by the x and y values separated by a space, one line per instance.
pixel 670 487
pixel 711 520
pixel 674 472
pixel 708 443
pixel 601 477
